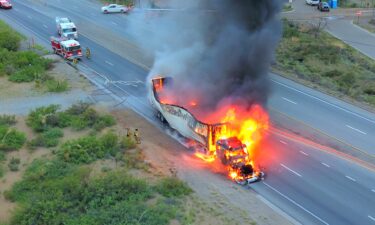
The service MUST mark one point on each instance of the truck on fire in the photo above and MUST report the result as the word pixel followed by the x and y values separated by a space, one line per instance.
pixel 206 137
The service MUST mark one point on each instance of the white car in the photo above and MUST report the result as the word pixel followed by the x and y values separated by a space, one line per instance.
pixel 312 2
pixel 114 8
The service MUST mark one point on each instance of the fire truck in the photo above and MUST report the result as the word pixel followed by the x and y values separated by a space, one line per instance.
pixel 230 151
pixel 66 28
pixel 67 48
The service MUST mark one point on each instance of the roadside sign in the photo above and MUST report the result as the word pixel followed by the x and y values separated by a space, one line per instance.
pixel 359 13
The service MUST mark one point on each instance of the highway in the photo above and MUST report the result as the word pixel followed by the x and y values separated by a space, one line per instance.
pixel 311 186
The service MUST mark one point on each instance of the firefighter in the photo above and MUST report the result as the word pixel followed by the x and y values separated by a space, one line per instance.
pixel 128 132
pixel 75 61
pixel 88 53
pixel 136 136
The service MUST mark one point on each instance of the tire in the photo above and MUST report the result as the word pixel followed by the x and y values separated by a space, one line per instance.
pixel 105 11
pixel 122 11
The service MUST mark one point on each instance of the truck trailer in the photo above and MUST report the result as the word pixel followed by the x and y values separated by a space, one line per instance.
pixel 206 137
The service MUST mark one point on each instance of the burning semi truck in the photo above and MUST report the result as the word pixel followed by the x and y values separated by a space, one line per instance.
pixel 229 141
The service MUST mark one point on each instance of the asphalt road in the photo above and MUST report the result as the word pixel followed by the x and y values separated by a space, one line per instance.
pixel 311 186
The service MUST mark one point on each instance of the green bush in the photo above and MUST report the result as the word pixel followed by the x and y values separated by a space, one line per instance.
pixel 9 38
pixel 37 119
pixel 88 149
pixel 103 122
pixel 58 86
pixel 2 171
pixel 14 164
pixel 7 120
pixel 2 156
pixel 173 187
pixel 11 139
pixel 49 138
pixel 127 143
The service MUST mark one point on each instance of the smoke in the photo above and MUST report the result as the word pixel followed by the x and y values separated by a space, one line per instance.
pixel 217 51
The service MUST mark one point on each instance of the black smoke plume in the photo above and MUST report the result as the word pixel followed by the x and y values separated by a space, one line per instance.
pixel 217 51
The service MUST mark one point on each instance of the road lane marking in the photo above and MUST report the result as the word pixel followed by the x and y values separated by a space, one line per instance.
pixel 350 178
pixel 321 100
pixel 295 203
pixel 326 165
pixel 358 130
pixel 290 170
pixel 304 153
pixel 283 142
pixel 114 23
pixel 29 17
pixel 290 101
pixel 109 63
pixel 373 190
pixel 372 218
pixel 15 9
pixel 45 26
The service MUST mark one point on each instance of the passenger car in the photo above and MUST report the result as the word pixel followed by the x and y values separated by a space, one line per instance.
pixel 312 2
pixel 323 6
pixel 114 8
pixel 5 4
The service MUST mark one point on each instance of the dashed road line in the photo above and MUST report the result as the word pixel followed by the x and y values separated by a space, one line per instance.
pixel 350 178
pixel 326 102
pixel 304 153
pixel 371 218
pixel 290 170
pixel 114 23
pixel 325 164
pixel 295 203
pixel 373 190
pixel 45 26
pixel 29 17
pixel 290 101
pixel 109 63
pixel 283 142
pixel 358 130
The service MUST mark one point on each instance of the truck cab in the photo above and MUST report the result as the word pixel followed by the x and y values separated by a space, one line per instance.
pixel 66 28
pixel 231 150
pixel 68 49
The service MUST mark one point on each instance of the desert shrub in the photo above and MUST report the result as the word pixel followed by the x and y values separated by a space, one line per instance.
pixel 9 38
pixel 78 109
pixel 53 85
pixel 2 171
pixel 127 143
pixel 2 156
pixel 49 138
pixel 14 164
pixel 173 187
pixel 88 149
pixel 11 139
pixel 7 120
pixel 103 122
pixel 37 119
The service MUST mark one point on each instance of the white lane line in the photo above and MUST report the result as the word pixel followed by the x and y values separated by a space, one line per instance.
pixel 290 101
pixel 114 23
pixel 29 17
pixel 290 170
pixel 372 218
pixel 283 142
pixel 325 164
pixel 109 63
pixel 358 130
pixel 295 203
pixel 321 100
pixel 45 26
pixel 350 178
pixel 303 153
pixel 373 190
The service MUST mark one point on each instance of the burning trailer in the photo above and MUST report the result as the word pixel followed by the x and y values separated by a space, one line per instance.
pixel 225 139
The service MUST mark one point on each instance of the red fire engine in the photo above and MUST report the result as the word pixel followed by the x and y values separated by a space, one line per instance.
pixel 68 49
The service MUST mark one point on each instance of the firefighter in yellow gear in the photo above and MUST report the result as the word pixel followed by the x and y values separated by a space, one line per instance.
pixel 88 53
pixel 75 61
pixel 136 136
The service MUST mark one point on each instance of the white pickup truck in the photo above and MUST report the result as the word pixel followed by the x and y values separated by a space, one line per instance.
pixel 66 28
